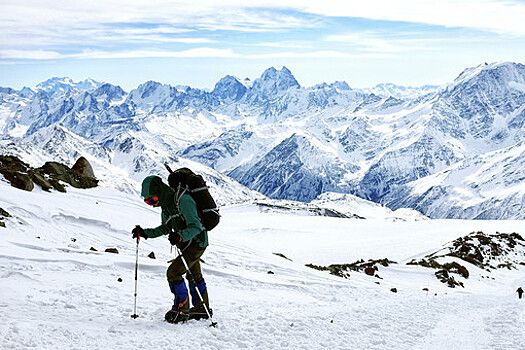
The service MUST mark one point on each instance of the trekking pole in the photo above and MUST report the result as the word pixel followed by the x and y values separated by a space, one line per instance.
pixel 136 275
pixel 213 324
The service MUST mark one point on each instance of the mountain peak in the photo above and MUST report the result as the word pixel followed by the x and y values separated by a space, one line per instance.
pixel 274 82
pixel 229 88
pixel 64 84
pixel 496 70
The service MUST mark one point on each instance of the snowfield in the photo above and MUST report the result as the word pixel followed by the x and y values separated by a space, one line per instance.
pixel 56 293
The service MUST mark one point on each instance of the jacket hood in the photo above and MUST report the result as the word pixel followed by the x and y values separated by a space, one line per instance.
pixel 152 186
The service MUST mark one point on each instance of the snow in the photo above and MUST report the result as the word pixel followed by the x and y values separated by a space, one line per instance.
pixel 58 294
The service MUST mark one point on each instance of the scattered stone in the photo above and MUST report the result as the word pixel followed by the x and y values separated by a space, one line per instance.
pixel 425 289
pixel 271 272
pixel 282 256
pixel 4 213
pixel 370 271
pixel 38 237
pixel 151 255
pixel 393 290
pixel 73 239
pixel 112 250
pixel 93 249
pixel 119 279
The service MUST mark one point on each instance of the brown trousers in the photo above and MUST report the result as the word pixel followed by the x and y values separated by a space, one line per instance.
pixel 176 270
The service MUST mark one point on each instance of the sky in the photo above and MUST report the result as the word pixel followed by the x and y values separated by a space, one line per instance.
pixel 196 43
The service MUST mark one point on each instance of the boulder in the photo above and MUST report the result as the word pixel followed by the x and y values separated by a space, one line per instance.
pixel 83 168
pixel 19 180
pixel 61 172
pixel 112 250
pixel 370 271
pixel 41 181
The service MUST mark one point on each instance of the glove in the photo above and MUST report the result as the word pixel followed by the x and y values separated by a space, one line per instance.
pixel 174 238
pixel 138 231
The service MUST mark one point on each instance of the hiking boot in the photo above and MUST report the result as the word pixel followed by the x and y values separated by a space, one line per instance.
pixel 197 314
pixel 174 316
pixel 181 305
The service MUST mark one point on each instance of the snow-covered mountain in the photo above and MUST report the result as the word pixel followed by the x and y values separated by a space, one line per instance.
pixel 292 142
pixel 401 92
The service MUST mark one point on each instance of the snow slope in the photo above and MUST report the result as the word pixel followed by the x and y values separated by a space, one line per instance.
pixel 58 294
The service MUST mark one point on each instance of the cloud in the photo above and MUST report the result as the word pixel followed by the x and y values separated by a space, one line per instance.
pixel 384 42
pixel 29 54
pixel 95 54
pixel 315 54
pixel 503 17
pixel 493 15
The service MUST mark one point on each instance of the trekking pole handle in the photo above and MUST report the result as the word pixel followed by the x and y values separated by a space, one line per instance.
pixel 138 233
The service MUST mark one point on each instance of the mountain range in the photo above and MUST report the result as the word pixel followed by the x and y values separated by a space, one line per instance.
pixel 454 151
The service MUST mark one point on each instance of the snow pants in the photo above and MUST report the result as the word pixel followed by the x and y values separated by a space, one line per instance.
pixel 177 270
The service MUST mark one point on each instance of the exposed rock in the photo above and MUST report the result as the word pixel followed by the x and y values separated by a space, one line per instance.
pixel 393 290
pixel 19 180
pixel 151 255
pixel 282 256
pixel 61 172
pixel 370 271
pixel 93 249
pixel 112 250
pixel 343 270
pixel 12 163
pixel 83 167
pixel 479 249
pixel 50 175
pixel 119 279
pixel 270 272
pixel 41 181
pixel 4 213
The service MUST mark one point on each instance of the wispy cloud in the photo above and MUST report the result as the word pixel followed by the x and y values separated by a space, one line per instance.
pixel 315 54
pixel 383 42
pixel 30 54
pixel 96 54
pixel 504 17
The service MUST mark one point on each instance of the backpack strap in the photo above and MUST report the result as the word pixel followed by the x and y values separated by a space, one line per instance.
pixel 212 210
pixel 177 198
pixel 204 188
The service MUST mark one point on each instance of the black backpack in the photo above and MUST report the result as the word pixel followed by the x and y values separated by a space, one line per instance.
pixel 184 180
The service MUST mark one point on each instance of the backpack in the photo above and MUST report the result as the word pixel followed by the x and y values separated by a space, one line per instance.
pixel 184 180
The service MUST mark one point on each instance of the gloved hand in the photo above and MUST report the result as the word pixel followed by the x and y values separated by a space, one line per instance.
pixel 139 231
pixel 174 238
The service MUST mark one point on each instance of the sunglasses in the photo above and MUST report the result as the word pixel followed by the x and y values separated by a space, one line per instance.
pixel 152 201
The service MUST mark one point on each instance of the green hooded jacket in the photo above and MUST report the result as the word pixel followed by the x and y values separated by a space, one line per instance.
pixel 192 229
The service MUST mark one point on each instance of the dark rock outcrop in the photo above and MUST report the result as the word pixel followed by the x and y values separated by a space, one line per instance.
pixel 343 270
pixel 3 214
pixel 479 249
pixel 50 175
pixel 83 167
